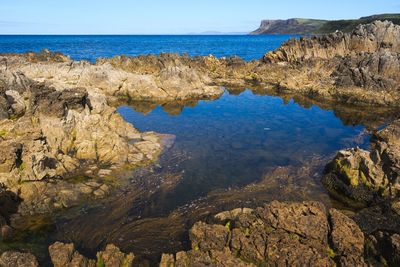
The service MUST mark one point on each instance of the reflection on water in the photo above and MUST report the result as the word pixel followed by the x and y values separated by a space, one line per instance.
pixel 241 150
pixel 232 141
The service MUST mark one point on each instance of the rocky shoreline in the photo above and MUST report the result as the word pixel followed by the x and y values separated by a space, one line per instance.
pixel 62 143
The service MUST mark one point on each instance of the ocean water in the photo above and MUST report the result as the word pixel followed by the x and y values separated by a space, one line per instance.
pixel 90 47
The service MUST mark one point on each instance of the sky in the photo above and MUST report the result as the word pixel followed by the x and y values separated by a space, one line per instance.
pixel 170 17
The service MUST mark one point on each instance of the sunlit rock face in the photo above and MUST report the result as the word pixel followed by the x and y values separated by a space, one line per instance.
pixel 50 132
pixel 277 234
pixel 362 177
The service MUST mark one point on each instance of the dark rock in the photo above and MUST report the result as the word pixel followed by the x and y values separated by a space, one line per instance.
pixel 49 101
pixel 378 71
pixel 384 247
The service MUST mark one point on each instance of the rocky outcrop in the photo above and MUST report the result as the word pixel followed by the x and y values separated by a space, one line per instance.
pixel 359 177
pixel 366 70
pixel 115 78
pixel 369 38
pixel 63 255
pixel 18 259
pixel 359 67
pixel 49 134
pixel 278 234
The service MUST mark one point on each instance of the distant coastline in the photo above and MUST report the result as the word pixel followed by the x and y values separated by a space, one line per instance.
pixel 318 26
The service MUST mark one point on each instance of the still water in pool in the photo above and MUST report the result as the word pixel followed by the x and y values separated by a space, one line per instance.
pixel 232 141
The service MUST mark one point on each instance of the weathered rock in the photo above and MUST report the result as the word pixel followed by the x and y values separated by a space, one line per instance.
pixel 57 131
pixel 357 67
pixel 373 37
pixel 359 177
pixel 209 237
pixel 18 259
pixel 347 239
pixel 371 71
pixel 65 255
pixel 278 234
pixel 112 256
pixel 384 247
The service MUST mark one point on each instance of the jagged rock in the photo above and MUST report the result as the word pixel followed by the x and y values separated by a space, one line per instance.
pixel 112 256
pixel 49 101
pixel 384 247
pixel 373 37
pixel 56 131
pixel 278 234
pixel 359 177
pixel 65 255
pixel 347 239
pixel 18 259
pixel 378 70
pixel 357 67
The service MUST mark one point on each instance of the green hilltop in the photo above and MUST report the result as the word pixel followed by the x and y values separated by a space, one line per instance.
pixel 315 26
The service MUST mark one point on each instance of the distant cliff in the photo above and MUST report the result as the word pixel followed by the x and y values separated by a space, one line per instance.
pixel 314 26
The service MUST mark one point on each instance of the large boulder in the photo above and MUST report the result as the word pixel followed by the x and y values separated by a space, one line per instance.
pixel 278 234
pixel 359 177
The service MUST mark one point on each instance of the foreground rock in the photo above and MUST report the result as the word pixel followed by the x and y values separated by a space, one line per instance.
pixel 65 255
pixel 18 259
pixel 278 234
pixel 49 134
pixel 360 178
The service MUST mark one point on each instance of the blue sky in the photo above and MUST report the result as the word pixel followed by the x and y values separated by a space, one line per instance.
pixel 170 17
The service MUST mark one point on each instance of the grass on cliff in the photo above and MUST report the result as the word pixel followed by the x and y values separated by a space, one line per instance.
pixel 351 24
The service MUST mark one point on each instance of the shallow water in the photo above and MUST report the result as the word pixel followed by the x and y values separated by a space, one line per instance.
pixel 240 150
pixel 234 140
pixel 90 47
